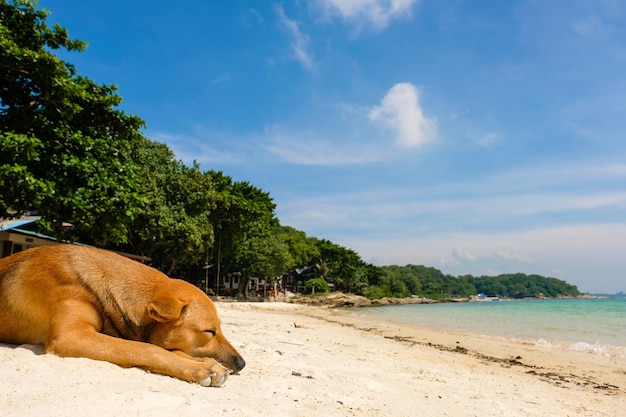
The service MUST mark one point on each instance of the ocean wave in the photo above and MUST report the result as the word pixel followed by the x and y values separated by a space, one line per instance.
pixel 586 347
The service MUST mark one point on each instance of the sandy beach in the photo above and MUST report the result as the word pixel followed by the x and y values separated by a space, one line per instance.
pixel 308 361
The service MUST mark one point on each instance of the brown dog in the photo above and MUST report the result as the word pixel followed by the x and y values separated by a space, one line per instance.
pixel 84 302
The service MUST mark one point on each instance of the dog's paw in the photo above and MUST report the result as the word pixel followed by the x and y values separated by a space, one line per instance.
pixel 217 377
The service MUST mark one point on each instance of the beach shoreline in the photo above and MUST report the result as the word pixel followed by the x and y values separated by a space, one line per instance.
pixel 549 362
pixel 305 360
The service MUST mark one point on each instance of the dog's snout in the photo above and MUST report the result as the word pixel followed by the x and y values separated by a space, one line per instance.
pixel 240 363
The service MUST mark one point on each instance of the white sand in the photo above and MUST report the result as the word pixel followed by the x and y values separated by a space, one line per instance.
pixel 302 362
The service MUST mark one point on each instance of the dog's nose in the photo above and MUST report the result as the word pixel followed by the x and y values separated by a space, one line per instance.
pixel 240 363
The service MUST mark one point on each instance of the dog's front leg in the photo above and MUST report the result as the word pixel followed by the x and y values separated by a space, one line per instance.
pixel 76 336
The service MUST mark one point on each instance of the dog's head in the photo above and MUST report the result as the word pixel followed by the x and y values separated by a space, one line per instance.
pixel 186 320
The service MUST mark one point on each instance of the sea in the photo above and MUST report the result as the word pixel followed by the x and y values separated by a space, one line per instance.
pixel 591 325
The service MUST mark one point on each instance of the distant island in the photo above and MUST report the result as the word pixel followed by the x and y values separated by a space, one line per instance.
pixel 620 294
pixel 418 284
pixel 431 283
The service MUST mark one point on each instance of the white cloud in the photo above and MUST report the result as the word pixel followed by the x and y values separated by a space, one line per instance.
pixel 488 139
pixel 507 256
pixel 378 13
pixel 306 148
pixel 299 41
pixel 463 254
pixel 400 110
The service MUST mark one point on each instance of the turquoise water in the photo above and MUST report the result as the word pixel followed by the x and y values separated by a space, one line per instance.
pixel 588 325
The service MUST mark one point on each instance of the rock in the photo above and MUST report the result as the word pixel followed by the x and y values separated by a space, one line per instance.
pixel 339 299
pixel 334 300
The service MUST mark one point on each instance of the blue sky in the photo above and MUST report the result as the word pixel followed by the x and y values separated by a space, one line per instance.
pixel 477 137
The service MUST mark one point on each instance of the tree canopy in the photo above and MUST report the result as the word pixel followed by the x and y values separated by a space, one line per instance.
pixel 65 147
pixel 173 227
pixel 432 283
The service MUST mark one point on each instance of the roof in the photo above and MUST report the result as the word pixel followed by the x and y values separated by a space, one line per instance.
pixel 8 224
pixel 31 233
pixel 14 225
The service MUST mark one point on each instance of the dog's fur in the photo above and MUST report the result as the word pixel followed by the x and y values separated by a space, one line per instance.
pixel 84 302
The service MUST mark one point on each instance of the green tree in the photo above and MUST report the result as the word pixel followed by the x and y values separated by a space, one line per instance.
pixel 356 281
pixel 377 291
pixel 323 269
pixel 521 285
pixel 341 266
pixel 65 147
pixel 265 256
pixel 410 275
pixel 173 227
pixel 316 285
pixel 241 212
pixel 303 249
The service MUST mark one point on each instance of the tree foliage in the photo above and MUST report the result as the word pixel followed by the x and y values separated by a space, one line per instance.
pixel 521 285
pixel 241 212
pixel 431 283
pixel 65 147
pixel 304 251
pixel 316 285
pixel 264 256
pixel 173 227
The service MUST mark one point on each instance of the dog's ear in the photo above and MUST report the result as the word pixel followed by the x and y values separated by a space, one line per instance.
pixel 165 307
